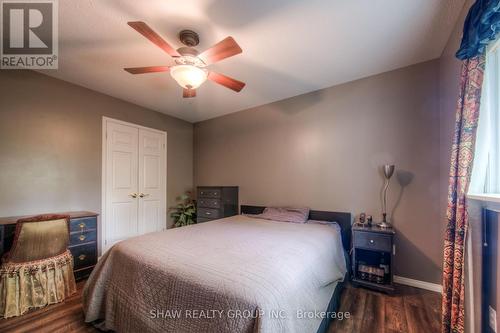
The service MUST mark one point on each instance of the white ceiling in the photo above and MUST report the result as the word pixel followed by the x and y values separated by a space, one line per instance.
pixel 290 47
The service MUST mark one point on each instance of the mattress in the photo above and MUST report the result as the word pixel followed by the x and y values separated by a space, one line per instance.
pixel 237 274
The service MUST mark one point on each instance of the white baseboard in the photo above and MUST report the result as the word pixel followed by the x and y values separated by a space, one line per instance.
pixel 418 284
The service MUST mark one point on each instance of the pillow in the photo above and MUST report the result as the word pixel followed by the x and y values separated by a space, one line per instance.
pixel 285 214
pixel 331 223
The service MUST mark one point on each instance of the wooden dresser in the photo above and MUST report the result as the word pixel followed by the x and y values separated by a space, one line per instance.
pixel 82 239
pixel 216 202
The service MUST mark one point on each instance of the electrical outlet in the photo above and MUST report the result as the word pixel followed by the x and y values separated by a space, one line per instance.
pixel 492 318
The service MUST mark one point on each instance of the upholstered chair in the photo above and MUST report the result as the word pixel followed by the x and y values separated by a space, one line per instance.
pixel 38 270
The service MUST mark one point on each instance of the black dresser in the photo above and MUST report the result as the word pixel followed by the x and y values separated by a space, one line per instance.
pixel 216 202
pixel 82 239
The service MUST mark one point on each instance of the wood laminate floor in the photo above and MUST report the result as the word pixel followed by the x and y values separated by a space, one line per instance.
pixel 408 310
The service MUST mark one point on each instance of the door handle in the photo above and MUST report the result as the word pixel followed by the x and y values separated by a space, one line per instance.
pixel 133 195
pixel 142 195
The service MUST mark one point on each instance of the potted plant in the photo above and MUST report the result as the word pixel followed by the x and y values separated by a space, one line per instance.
pixel 185 211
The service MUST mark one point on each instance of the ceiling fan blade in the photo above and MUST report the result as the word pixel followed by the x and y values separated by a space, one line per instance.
pixel 147 32
pixel 224 49
pixel 188 93
pixel 226 81
pixel 149 69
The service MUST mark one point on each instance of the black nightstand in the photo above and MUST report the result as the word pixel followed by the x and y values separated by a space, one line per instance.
pixel 372 257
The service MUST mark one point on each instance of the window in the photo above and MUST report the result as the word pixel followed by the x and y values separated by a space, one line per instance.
pixel 486 170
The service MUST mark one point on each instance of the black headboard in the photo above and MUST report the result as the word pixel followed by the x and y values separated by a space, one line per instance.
pixel 343 219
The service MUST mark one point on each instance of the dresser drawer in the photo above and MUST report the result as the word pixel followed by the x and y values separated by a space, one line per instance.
pixel 209 203
pixel 82 224
pixel 77 238
pixel 83 273
pixel 371 241
pixel 84 255
pixel 209 193
pixel 208 213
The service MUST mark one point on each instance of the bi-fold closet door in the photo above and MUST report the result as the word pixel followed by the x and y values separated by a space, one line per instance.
pixel 134 181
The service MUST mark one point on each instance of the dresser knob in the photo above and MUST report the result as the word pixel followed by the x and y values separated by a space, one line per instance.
pixel 82 225
pixel 82 256
pixel 82 237
pixel 208 213
pixel 371 241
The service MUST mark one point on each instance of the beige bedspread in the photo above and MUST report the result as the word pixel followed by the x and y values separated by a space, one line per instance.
pixel 238 274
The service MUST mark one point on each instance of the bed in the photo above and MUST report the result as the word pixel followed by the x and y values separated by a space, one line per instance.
pixel 237 274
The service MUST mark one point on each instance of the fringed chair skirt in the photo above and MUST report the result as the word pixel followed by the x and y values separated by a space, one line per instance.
pixel 35 284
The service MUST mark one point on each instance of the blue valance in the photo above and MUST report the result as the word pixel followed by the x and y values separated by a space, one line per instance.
pixel 482 25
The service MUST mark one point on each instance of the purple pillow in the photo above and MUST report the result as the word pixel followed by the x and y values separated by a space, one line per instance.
pixel 285 214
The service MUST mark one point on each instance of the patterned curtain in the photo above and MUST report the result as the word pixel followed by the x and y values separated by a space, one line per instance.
pixel 462 156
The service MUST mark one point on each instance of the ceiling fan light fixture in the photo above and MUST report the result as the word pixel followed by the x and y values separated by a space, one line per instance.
pixel 189 69
pixel 188 76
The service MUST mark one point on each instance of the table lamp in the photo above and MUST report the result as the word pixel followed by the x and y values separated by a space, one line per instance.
pixel 388 172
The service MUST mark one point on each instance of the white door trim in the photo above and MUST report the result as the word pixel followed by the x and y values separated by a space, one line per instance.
pixel 105 121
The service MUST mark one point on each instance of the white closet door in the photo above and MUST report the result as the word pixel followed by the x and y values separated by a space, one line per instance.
pixel 121 182
pixel 152 181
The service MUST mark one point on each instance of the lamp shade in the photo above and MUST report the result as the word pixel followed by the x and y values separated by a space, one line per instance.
pixel 388 171
pixel 188 76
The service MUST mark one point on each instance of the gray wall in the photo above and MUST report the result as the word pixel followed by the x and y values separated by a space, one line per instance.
pixel 50 144
pixel 324 150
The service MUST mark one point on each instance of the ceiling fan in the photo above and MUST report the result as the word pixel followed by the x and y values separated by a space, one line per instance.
pixel 190 66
